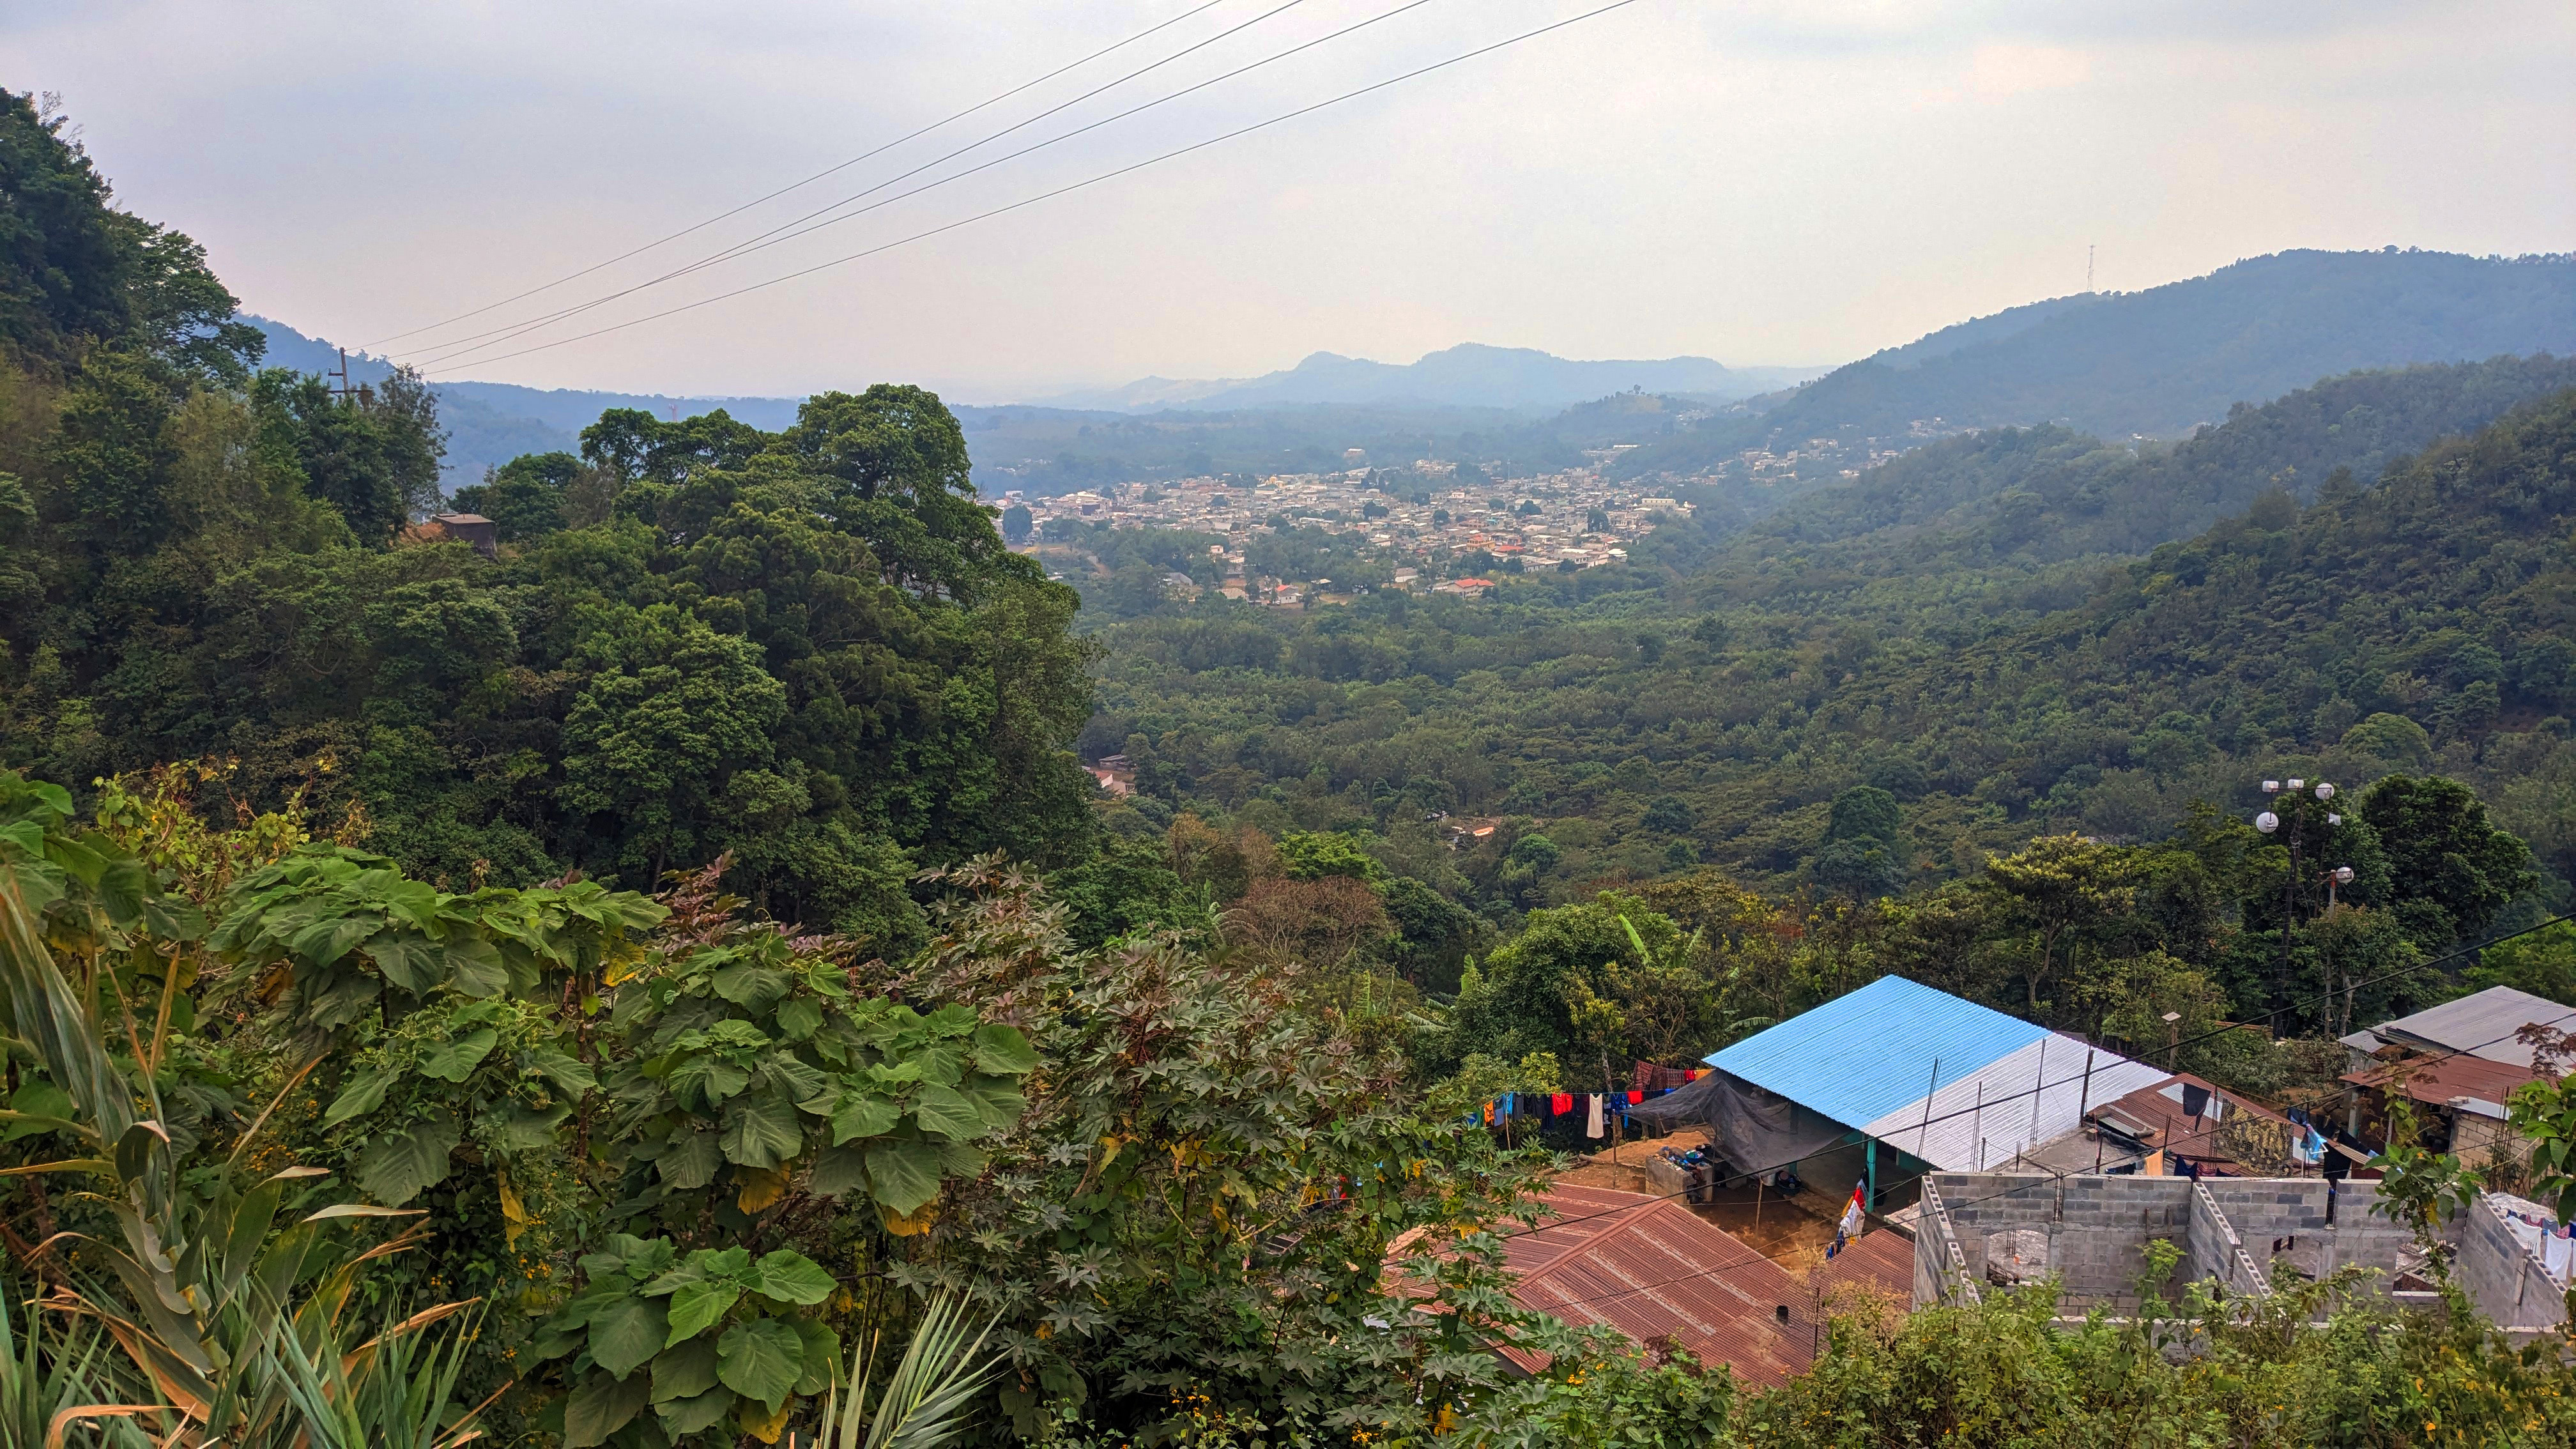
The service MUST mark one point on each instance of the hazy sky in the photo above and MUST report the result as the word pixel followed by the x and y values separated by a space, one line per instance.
pixel 1779 181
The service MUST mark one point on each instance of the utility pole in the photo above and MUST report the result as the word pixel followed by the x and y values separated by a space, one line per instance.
pixel 2088 268
pixel 343 390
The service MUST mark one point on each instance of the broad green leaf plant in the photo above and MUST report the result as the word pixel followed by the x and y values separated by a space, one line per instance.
pixel 748 1080
pixel 331 932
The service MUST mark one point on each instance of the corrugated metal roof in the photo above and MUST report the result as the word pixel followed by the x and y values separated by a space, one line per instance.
pixel 2438 1079
pixel 1652 1269
pixel 1865 1054
pixel 1878 1264
pixel 2482 1024
pixel 2010 1105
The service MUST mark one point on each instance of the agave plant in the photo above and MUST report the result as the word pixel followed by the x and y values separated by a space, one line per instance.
pixel 215 1305
pixel 924 1404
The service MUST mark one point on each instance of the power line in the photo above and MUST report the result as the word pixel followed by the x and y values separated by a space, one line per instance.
pixel 762 240
pixel 810 180
pixel 1078 185
pixel 791 230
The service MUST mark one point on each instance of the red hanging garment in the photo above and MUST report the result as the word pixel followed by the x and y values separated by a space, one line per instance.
pixel 1560 1104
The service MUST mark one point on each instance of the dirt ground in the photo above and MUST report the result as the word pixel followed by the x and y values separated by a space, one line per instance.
pixel 1793 1231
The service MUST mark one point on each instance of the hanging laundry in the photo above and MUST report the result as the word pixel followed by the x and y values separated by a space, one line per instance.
pixel 2558 1253
pixel 1592 1116
pixel 1635 1097
pixel 2195 1100
pixel 1854 1217
pixel 1560 1104
pixel 1489 1114
pixel 2528 1230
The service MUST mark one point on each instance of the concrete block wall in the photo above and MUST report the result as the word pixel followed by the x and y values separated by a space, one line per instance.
pixel 2501 1275
pixel 1940 1274
pixel 2217 1252
pixel 2233 1229
pixel 2286 1218
pixel 2098 1228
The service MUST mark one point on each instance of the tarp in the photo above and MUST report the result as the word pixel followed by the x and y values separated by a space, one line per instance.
pixel 1755 1130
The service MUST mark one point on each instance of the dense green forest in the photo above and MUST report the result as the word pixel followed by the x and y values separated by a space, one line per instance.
pixel 669 982
pixel 807 648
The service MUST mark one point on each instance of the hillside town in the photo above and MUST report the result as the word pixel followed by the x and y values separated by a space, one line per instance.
pixel 1443 526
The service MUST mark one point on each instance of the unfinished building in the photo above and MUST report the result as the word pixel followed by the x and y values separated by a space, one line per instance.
pixel 2091 1234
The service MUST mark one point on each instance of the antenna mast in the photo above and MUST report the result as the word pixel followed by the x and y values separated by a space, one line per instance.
pixel 2088 267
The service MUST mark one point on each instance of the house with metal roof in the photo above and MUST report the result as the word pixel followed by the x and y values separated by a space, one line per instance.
pixel 1899 1076
pixel 2481 1024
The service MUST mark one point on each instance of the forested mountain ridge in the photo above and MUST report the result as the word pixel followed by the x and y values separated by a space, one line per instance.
pixel 2162 361
pixel 2048 493
pixel 1467 375
pixel 2438 605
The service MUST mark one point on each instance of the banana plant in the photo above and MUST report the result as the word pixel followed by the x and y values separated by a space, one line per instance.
pixel 924 1405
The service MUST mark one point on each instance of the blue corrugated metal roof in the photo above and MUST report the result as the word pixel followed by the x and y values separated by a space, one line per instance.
pixel 1861 1056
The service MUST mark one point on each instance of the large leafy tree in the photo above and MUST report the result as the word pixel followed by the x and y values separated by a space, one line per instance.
pixel 2450 869
pixel 76 273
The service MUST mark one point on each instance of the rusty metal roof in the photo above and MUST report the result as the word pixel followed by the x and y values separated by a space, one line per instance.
pixel 1878 1263
pixel 1652 1269
pixel 2437 1080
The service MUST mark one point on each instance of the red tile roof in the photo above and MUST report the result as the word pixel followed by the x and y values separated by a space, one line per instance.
pixel 1652 1269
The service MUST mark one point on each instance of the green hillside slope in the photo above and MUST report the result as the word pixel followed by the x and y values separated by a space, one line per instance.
pixel 2162 361
pixel 2049 493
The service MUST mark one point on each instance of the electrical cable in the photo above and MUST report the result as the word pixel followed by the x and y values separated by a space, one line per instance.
pixel 798 227
pixel 771 236
pixel 1078 185
pixel 817 176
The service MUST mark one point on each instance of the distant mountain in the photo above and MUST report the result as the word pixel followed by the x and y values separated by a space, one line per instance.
pixel 2163 361
pixel 489 423
pixel 1286 420
pixel 1468 375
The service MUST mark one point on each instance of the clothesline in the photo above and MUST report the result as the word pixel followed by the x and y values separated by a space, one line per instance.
pixel 1596 1107
pixel 2552 1242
